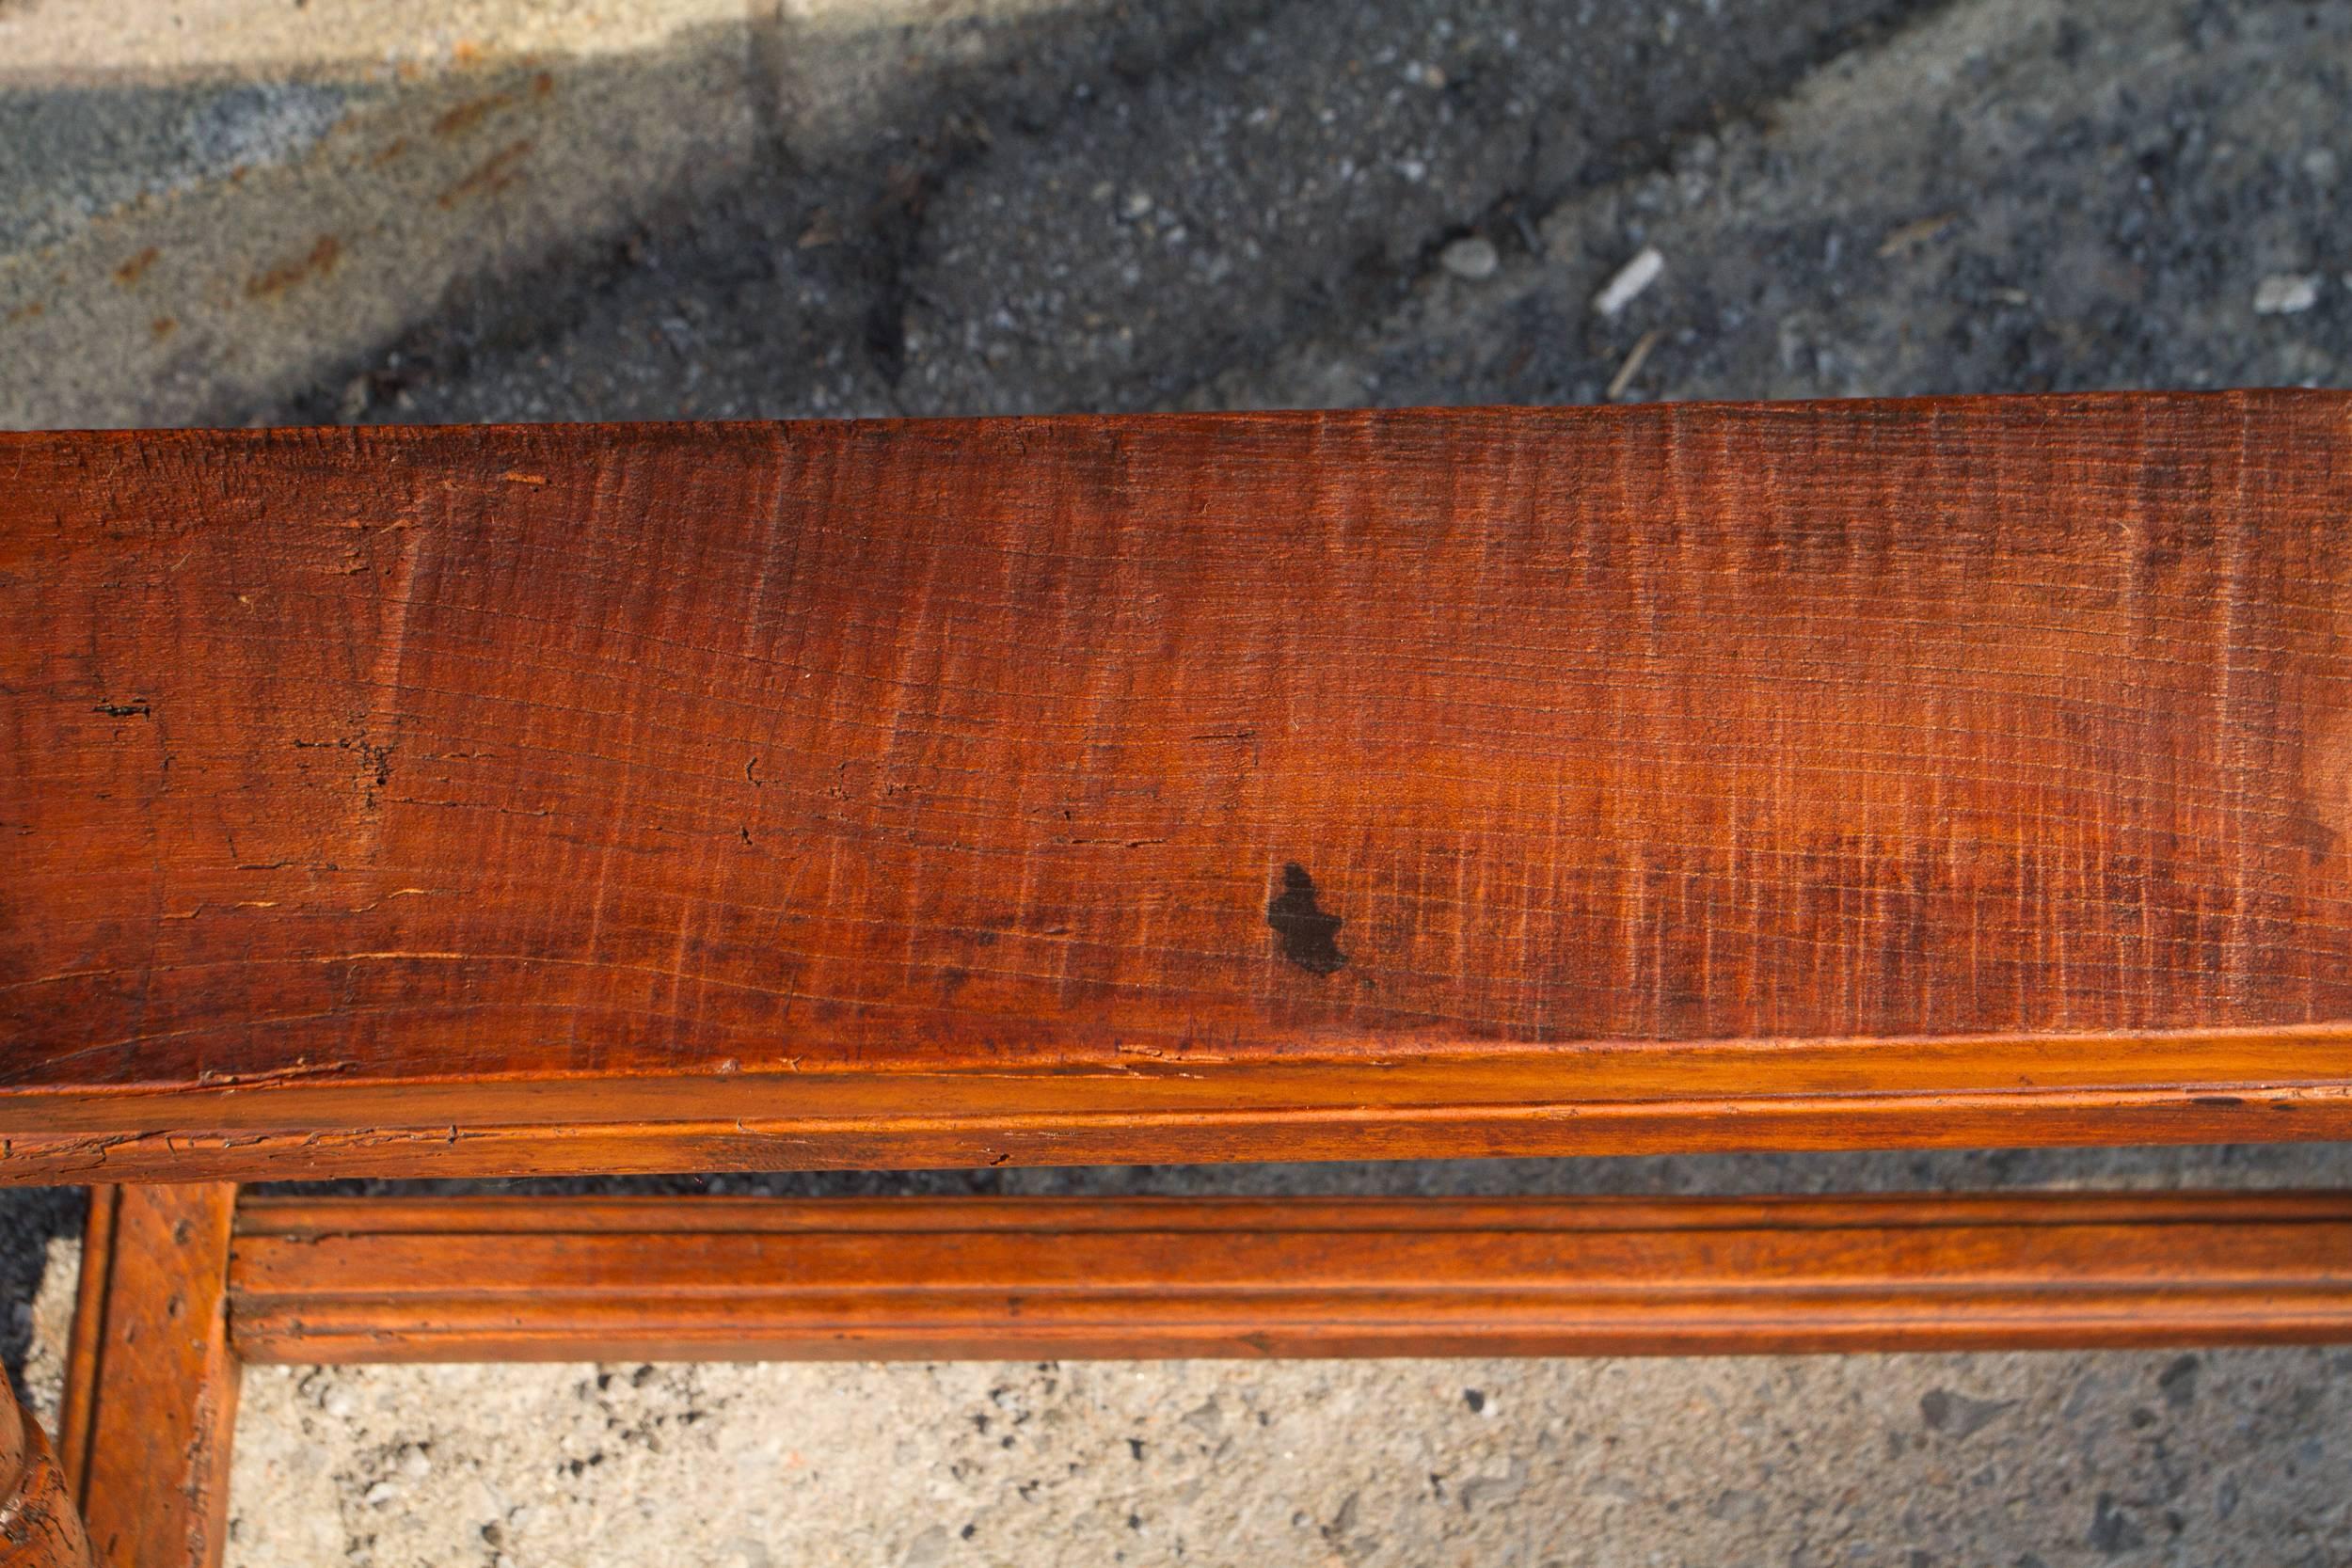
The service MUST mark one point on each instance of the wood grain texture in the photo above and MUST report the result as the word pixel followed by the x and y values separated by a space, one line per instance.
pixel 1446 782
pixel 38 1527
pixel 151 1382
pixel 469 1279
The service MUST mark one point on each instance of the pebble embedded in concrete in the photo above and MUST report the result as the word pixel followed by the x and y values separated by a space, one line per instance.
pixel 1473 258
pixel 2286 294
pixel 1630 281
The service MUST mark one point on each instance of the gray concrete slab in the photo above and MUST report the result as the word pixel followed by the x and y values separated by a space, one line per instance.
pixel 202 211
pixel 2008 196
pixel 1899 1459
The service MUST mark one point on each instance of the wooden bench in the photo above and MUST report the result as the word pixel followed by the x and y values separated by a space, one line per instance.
pixel 601 800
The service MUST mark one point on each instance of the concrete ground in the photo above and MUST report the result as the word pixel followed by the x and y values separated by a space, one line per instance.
pixel 232 211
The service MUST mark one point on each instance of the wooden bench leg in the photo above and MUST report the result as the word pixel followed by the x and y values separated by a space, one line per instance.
pixel 39 1527
pixel 151 1381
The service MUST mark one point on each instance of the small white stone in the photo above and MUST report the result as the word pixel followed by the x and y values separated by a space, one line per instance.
pixel 1631 279
pixel 1413 170
pixel 338 1402
pixel 1471 258
pixel 415 1461
pixel 1138 204
pixel 2286 294
pixel 380 1493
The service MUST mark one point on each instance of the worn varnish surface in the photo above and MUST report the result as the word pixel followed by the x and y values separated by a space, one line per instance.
pixel 461 1279
pixel 150 1395
pixel 410 796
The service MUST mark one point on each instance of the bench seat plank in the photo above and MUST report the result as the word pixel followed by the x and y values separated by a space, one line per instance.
pixel 526 798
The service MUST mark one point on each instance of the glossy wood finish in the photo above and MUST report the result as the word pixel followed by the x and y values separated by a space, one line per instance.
pixel 469 1279
pixel 150 1380
pixel 38 1527
pixel 1214 787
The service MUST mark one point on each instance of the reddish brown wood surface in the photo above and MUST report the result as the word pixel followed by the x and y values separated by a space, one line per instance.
pixel 1176 787
pixel 38 1527
pixel 151 1382
pixel 460 1279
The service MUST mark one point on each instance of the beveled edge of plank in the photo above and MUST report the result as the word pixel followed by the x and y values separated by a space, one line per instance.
pixel 2239 1085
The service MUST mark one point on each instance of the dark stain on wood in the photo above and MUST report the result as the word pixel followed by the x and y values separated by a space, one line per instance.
pixel 1308 934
